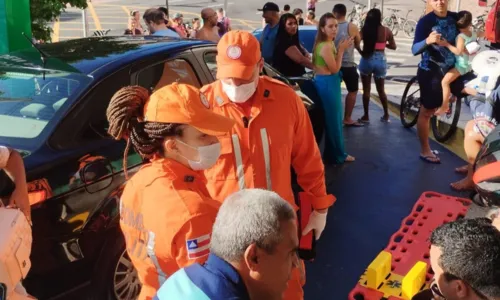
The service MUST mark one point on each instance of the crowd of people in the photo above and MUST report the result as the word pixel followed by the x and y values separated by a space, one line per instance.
pixel 212 25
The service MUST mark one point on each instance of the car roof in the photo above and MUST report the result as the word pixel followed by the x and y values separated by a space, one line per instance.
pixel 87 55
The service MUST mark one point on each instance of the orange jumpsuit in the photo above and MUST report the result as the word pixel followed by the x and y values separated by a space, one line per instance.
pixel 271 134
pixel 166 215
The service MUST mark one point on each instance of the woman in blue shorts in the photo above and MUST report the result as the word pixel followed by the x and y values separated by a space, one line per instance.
pixel 375 39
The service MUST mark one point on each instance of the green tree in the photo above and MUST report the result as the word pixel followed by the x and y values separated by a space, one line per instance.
pixel 45 11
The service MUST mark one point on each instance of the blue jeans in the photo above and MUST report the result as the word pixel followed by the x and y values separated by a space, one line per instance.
pixel 329 90
pixel 375 64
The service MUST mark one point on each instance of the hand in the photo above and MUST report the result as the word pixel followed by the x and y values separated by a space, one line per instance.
pixel 317 222
pixel 441 111
pixel 433 38
pixel 19 199
pixel 442 42
pixel 346 43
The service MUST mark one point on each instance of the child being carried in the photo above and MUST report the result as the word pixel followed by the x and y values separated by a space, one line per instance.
pixel 462 63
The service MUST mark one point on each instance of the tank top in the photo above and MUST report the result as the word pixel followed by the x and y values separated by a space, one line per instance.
pixel 343 33
pixel 319 61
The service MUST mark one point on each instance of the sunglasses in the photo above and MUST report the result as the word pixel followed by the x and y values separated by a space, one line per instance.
pixel 436 291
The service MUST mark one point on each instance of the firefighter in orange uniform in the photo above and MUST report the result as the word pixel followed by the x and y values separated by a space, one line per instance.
pixel 272 133
pixel 166 213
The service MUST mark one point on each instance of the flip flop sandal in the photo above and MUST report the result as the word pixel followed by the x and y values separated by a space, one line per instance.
pixel 430 159
pixel 383 120
pixel 354 124
pixel 363 121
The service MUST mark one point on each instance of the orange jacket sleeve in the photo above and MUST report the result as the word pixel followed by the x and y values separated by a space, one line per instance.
pixel 192 242
pixel 306 160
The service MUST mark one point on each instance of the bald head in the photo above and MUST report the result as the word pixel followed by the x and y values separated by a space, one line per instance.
pixel 209 17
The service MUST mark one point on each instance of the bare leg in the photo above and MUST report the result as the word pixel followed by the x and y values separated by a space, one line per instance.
pixel 350 101
pixel 445 83
pixel 472 144
pixel 366 80
pixel 423 133
pixel 380 85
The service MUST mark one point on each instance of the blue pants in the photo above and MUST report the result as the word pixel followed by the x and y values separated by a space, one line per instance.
pixel 328 87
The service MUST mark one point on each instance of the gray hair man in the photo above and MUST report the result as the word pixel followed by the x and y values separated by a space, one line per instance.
pixel 253 248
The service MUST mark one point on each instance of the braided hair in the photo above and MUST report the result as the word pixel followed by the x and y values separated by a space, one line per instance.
pixel 125 117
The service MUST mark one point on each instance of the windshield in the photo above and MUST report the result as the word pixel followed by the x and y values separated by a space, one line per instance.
pixel 32 101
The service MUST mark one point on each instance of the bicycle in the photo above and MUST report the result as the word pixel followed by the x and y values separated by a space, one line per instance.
pixel 479 23
pixel 442 128
pixel 355 16
pixel 395 22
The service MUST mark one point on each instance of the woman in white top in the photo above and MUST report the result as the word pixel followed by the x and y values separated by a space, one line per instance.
pixel 12 163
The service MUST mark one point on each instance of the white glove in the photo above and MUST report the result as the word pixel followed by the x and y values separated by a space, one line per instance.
pixel 317 222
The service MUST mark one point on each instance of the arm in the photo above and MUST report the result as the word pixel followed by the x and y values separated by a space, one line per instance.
pixel 356 35
pixel 333 63
pixel 12 163
pixel 420 41
pixel 191 243
pixel 294 54
pixel 306 160
pixel 391 43
pixel 459 49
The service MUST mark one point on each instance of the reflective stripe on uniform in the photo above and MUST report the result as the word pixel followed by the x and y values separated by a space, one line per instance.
pixel 267 158
pixel 240 172
pixel 151 253
pixel 219 100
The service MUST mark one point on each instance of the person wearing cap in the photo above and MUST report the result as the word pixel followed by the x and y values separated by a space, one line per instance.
pixel 271 14
pixel 178 25
pixel 166 213
pixel 272 133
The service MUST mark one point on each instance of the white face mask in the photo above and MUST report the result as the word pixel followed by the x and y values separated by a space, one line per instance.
pixel 241 93
pixel 208 156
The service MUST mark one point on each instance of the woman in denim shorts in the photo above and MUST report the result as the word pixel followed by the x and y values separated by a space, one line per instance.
pixel 375 39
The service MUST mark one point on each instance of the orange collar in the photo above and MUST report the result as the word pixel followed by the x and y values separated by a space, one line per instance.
pixel 174 169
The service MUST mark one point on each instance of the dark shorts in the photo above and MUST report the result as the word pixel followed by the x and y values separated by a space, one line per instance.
pixel 350 77
pixel 431 91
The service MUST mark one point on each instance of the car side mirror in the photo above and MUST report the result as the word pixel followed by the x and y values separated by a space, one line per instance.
pixel 482 3
pixel 97 175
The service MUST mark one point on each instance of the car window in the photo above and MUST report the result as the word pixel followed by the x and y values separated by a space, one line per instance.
pixel 159 75
pixel 210 59
pixel 32 100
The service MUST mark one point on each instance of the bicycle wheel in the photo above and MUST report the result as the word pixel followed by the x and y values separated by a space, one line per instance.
pixel 409 28
pixel 410 104
pixel 443 127
pixel 389 23
pixel 351 16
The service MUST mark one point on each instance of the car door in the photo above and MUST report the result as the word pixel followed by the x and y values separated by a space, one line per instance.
pixel 86 168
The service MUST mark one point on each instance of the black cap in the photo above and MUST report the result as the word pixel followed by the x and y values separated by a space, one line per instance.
pixel 270 6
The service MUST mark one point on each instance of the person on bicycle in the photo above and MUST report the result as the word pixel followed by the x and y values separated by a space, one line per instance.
pixel 434 31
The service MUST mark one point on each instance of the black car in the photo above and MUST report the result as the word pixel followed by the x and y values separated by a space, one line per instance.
pixel 53 111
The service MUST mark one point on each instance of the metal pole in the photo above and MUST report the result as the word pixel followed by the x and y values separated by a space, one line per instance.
pixel 225 7
pixel 84 22
pixel 382 8
pixel 458 5
pixel 369 4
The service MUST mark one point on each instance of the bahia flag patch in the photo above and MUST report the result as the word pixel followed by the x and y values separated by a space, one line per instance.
pixel 198 247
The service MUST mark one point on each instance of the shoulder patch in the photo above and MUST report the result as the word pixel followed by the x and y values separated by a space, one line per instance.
pixel 198 247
